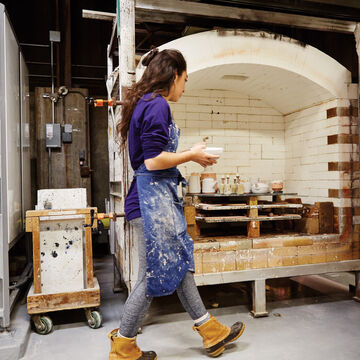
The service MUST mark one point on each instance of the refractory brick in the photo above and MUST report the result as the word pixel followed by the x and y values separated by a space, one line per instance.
pixel 210 262
pixel 243 260
pixel 259 258
pixel 227 260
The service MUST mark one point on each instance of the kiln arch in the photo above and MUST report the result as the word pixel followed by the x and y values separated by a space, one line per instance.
pixel 275 68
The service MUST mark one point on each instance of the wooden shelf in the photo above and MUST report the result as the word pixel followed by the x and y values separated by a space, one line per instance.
pixel 226 219
pixel 202 212
pixel 219 207
pixel 216 196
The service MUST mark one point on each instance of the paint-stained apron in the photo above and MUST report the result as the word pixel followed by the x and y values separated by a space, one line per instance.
pixel 169 248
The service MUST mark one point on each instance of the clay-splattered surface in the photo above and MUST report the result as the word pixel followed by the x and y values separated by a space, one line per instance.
pixel 61 255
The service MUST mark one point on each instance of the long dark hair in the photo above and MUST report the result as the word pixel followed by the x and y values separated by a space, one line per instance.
pixel 157 78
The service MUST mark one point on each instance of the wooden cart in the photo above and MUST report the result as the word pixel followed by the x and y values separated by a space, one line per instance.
pixel 63 265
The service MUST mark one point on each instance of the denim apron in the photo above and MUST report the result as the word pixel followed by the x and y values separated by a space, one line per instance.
pixel 169 248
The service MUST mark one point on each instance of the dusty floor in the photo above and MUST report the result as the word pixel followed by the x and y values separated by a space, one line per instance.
pixel 310 318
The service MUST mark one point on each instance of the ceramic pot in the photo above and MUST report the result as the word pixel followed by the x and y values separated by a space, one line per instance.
pixel 247 187
pixel 194 183
pixel 208 185
pixel 207 175
pixel 277 185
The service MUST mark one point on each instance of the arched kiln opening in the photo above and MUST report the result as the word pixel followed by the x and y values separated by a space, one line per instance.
pixel 279 108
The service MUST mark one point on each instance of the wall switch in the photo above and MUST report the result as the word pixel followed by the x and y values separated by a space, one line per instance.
pixel 67 134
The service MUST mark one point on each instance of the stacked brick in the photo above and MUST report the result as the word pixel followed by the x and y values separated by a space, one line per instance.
pixel 219 255
pixel 314 150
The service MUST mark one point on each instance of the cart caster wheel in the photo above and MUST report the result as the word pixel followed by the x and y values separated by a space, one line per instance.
pixel 94 319
pixel 43 325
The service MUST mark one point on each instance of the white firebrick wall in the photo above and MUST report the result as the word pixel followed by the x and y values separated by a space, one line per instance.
pixel 308 153
pixel 261 143
pixel 250 131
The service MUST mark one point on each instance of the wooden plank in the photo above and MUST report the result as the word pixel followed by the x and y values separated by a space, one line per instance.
pixel 88 254
pixel 232 196
pixel 36 255
pixel 190 8
pixel 190 214
pixel 29 225
pixel 203 206
pixel 37 213
pixel 41 303
pixel 348 3
pixel 160 14
pixel 224 219
pixel 98 15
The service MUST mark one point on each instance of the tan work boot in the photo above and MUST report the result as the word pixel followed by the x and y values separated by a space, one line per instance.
pixel 216 335
pixel 126 348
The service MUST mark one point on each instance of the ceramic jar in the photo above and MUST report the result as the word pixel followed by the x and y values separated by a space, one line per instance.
pixel 194 184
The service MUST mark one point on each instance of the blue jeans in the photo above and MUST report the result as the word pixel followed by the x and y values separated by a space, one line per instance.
pixel 137 304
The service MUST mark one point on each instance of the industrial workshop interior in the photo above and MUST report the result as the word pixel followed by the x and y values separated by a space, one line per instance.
pixel 268 219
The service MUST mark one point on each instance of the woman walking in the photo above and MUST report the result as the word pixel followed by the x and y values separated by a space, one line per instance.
pixel 154 210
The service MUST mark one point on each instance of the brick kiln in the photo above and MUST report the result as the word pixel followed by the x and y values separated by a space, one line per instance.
pixel 281 110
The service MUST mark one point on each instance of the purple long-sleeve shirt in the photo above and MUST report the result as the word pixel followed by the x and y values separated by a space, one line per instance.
pixel 147 138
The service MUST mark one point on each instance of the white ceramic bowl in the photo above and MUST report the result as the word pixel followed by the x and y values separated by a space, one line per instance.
pixel 260 188
pixel 214 150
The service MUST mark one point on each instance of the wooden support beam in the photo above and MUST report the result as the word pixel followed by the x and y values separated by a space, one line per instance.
pixel 175 11
pixel 253 228
pixel 98 15
pixel 88 254
pixel 357 44
pixel 36 255
pixel 127 44
pixel 347 3
pixel 189 8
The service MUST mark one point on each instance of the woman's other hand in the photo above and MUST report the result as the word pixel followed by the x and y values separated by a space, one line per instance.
pixel 201 157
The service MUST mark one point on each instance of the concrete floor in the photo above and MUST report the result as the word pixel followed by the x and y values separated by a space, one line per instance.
pixel 310 318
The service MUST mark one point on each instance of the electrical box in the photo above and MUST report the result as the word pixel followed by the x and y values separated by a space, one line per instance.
pixel 67 134
pixel 54 36
pixel 53 136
